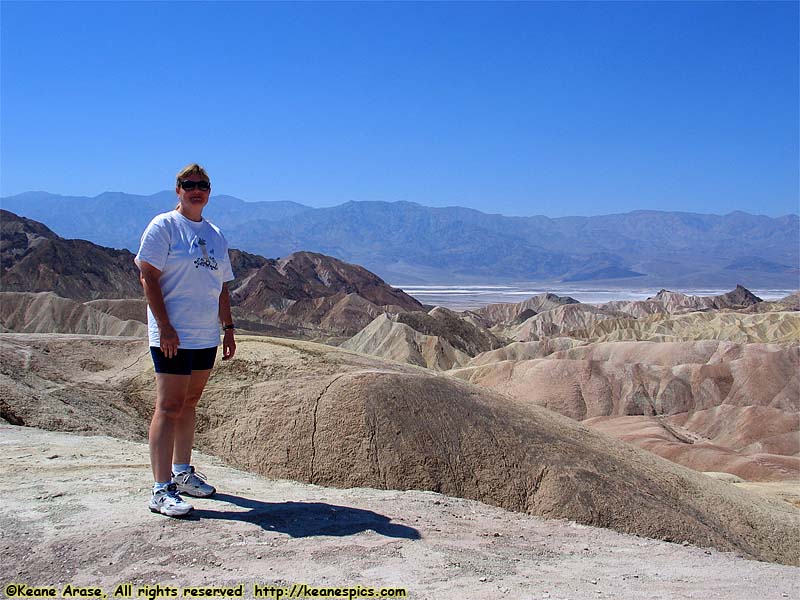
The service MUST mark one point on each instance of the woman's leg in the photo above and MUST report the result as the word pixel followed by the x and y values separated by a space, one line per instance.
pixel 171 392
pixel 185 422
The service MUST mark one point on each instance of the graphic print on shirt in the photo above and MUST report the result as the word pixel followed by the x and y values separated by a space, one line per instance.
pixel 209 262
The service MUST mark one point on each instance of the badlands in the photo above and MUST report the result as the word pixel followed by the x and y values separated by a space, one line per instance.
pixel 546 449
pixel 342 470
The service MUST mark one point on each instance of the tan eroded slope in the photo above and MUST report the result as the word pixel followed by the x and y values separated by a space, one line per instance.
pixel 44 312
pixel 742 328
pixel 439 339
pixel 386 338
pixel 524 350
pixel 558 321
pixel 127 309
pixel 318 414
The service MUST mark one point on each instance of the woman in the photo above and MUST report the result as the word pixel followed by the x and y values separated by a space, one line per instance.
pixel 184 265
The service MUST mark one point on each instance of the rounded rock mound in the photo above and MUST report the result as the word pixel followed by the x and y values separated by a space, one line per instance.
pixel 318 414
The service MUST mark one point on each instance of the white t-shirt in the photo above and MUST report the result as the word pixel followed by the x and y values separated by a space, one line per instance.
pixel 194 263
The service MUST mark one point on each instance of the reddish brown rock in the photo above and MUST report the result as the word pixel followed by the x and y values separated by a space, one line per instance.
pixel 743 399
pixel 311 293
pixel 34 259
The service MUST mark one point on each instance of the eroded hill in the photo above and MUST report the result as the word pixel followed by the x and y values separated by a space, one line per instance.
pixel 317 414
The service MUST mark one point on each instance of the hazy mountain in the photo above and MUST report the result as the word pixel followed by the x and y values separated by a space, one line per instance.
pixel 410 243
pixel 117 219
pixel 305 293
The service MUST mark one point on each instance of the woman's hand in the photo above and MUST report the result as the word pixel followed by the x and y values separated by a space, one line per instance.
pixel 150 278
pixel 228 345
pixel 169 340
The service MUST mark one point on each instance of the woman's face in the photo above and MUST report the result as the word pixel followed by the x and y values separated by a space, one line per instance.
pixel 194 199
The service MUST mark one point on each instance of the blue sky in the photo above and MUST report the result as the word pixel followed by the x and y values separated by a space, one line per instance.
pixel 515 108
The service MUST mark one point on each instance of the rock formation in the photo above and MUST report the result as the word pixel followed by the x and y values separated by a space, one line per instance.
pixel 127 309
pixel 310 295
pixel 45 312
pixel 524 350
pixel 676 386
pixel 34 259
pixel 388 338
pixel 438 340
pixel 787 303
pixel 742 328
pixel 313 413
pixel 507 313
pixel 558 321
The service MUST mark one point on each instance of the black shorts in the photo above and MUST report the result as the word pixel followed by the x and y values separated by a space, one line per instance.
pixel 185 361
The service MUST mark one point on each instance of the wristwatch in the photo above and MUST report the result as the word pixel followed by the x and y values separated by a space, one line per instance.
pixel 226 327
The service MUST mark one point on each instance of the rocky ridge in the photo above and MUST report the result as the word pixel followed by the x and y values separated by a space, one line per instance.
pixel 34 259
pixel 667 302
pixel 308 291
pixel 507 313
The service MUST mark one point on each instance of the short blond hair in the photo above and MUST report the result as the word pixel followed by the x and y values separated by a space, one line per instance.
pixel 192 169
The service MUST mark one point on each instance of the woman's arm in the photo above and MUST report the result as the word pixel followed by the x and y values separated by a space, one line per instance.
pixel 150 276
pixel 228 343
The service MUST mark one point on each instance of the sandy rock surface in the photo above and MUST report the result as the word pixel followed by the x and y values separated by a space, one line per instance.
pixel 74 511
pixel 317 414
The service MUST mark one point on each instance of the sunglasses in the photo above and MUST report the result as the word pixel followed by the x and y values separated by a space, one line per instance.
pixel 203 186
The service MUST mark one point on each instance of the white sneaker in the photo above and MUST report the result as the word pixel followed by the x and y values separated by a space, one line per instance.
pixel 168 501
pixel 193 483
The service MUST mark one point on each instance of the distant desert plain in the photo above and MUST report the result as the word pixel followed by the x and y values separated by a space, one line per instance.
pixel 541 449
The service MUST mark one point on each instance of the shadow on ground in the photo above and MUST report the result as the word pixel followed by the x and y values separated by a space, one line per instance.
pixel 305 519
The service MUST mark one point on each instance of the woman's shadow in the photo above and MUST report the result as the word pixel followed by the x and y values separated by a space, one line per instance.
pixel 304 519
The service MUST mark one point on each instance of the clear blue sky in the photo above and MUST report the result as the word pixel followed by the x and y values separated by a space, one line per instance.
pixel 515 108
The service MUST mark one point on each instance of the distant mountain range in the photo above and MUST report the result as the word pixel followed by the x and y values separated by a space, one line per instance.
pixel 407 243
pixel 303 294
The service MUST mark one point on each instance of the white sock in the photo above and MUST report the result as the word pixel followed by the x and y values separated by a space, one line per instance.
pixel 180 468
pixel 158 485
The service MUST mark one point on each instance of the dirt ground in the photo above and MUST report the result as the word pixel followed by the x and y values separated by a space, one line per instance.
pixel 74 511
